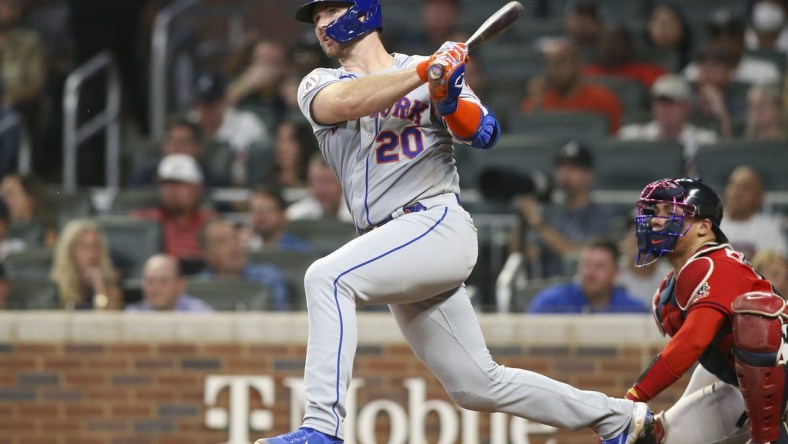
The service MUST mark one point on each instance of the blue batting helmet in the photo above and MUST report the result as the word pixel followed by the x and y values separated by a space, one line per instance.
pixel 363 17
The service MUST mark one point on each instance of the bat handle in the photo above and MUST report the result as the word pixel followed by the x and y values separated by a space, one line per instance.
pixel 435 71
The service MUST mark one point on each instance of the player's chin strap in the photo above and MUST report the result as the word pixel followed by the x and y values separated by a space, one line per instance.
pixel 473 124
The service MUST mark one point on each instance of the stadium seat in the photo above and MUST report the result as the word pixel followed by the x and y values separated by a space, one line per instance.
pixel 326 235
pixel 259 165
pixel 631 165
pixel 31 293
pixel 716 162
pixel 129 199
pixel 519 152
pixel 293 265
pixel 131 241
pixel 560 124
pixel 226 294
pixel 31 263
pixel 67 206
pixel 30 232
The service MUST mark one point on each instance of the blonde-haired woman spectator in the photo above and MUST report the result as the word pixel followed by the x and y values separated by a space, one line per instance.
pixel 773 266
pixel 83 270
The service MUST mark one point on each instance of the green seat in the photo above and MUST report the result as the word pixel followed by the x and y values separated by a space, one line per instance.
pixel 293 265
pixel 510 63
pixel 31 293
pixel 30 263
pixel 716 161
pixel 129 199
pixel 226 294
pixel 69 206
pixel 570 124
pixel 131 241
pixel 259 165
pixel 31 232
pixel 520 152
pixel 631 165
pixel 326 235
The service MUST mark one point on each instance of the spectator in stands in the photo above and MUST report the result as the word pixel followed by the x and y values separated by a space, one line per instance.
pixel 257 71
pixel 10 137
pixel 226 258
pixel 594 290
pixel 774 267
pixel 226 126
pixel 5 288
pixel 617 57
pixel 294 146
pixel 7 245
pixel 28 204
pixel 668 36
pixel 748 228
pixel 179 211
pixel 83 270
pixel 640 282
pixel 583 23
pixel 766 119
pixel 715 95
pixel 23 71
pixel 671 103
pixel 563 87
pixel 325 198
pixel 439 23
pixel 558 230
pixel 726 32
pixel 183 136
pixel 769 27
pixel 164 289
pixel 268 224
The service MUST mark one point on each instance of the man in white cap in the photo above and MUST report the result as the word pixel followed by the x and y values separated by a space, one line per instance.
pixel 671 104
pixel 179 210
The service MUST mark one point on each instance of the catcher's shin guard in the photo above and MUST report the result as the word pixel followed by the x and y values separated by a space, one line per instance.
pixel 760 352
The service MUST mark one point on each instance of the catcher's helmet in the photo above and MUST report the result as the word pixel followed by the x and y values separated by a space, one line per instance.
pixel 692 196
pixel 363 17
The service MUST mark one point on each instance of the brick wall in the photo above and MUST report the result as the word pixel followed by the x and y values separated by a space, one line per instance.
pixel 96 381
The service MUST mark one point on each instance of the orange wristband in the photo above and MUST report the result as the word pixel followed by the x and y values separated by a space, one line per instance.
pixel 465 120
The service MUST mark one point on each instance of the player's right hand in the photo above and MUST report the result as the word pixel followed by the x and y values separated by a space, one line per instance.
pixel 450 53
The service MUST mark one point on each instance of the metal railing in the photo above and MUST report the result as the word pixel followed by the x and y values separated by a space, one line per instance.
pixel 160 57
pixel 75 134
pixel 12 122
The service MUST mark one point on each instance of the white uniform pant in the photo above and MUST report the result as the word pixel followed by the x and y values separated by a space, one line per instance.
pixel 708 412
pixel 417 263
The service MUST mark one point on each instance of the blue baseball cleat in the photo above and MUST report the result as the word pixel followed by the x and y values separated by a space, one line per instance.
pixel 641 426
pixel 304 435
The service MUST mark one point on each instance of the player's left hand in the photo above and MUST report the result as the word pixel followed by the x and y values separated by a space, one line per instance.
pixel 445 90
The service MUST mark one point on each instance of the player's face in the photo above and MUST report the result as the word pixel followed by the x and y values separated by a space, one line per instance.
pixel 323 15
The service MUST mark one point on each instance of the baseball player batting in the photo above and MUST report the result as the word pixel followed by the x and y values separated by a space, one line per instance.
pixel 388 135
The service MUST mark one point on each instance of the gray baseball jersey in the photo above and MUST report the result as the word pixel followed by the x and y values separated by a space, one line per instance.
pixel 416 262
pixel 390 159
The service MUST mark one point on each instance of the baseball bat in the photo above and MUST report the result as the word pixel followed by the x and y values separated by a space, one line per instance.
pixel 494 26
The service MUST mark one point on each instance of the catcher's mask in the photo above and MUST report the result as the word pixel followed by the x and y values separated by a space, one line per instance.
pixel 363 17
pixel 676 201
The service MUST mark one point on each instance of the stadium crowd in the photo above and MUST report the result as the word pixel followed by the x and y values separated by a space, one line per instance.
pixel 650 71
